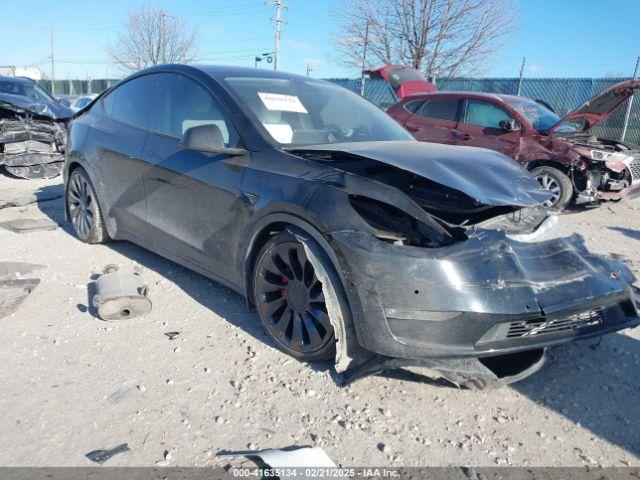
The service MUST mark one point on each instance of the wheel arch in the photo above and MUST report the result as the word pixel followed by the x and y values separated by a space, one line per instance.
pixel 271 225
pixel 348 349
pixel 549 163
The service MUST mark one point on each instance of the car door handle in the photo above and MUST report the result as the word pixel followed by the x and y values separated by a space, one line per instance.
pixel 464 136
pixel 412 129
pixel 155 155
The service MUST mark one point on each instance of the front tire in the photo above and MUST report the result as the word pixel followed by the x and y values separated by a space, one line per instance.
pixel 290 300
pixel 558 184
pixel 83 208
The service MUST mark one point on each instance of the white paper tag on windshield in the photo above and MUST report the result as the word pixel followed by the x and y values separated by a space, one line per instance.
pixel 282 103
pixel 281 132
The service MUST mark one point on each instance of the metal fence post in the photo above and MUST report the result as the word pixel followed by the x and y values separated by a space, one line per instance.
pixel 629 105
pixel 524 59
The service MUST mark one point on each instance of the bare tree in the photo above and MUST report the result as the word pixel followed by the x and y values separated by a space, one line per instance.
pixel 151 37
pixel 437 37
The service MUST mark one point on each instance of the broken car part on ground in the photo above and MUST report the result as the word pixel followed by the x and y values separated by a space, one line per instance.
pixel 566 159
pixel 353 241
pixel 120 295
pixel 33 129
pixel 15 285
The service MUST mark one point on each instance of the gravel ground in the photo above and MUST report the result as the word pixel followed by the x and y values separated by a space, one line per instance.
pixel 71 383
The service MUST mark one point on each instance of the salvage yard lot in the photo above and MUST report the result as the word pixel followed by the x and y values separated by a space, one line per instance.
pixel 72 383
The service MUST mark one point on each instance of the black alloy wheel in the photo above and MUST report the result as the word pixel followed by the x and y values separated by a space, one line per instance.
pixel 84 211
pixel 290 300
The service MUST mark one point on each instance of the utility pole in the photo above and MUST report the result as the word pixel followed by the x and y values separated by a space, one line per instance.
pixel 628 112
pixel 524 59
pixel 364 58
pixel 279 6
pixel 53 71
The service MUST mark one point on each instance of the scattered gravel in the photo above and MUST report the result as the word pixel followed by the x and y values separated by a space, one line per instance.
pixel 73 383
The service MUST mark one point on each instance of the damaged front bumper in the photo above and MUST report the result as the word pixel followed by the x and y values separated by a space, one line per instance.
pixel 32 148
pixel 609 181
pixel 487 296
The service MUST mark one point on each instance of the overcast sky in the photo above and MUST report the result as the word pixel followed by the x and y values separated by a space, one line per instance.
pixel 574 38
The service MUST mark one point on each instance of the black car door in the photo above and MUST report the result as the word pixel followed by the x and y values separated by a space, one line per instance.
pixel 116 141
pixel 194 205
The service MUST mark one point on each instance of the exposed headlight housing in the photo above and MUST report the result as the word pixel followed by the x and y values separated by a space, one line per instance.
pixel 602 155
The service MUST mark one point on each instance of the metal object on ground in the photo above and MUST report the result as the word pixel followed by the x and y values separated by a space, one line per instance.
pixel 101 456
pixel 13 288
pixel 290 457
pixel 120 295
pixel 25 225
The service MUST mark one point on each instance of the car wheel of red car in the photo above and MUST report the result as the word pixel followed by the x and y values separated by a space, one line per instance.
pixel 558 184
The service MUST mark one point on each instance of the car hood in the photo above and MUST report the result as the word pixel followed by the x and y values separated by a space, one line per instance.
pixel 601 106
pixel 40 108
pixel 486 176
pixel 402 80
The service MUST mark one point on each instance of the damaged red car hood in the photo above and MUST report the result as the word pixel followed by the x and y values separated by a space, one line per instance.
pixel 486 176
pixel 601 106
pixel 404 81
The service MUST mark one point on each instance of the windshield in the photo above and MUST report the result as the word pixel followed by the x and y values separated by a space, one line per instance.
pixel 297 112
pixel 538 116
pixel 25 89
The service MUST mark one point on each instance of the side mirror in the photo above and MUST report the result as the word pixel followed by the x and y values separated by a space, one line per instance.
pixel 510 125
pixel 65 102
pixel 208 138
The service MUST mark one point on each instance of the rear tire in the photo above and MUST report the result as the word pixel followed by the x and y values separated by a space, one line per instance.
pixel 290 299
pixel 558 184
pixel 83 208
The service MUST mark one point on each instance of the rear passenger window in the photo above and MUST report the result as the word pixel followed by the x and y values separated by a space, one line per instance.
pixel 129 103
pixel 191 104
pixel 443 109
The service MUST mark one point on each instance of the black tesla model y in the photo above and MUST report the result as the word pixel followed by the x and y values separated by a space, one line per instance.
pixel 353 241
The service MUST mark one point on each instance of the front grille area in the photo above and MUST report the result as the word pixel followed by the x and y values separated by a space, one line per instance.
pixel 634 168
pixel 540 326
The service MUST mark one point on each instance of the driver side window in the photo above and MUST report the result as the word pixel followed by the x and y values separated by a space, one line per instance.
pixel 485 114
pixel 190 105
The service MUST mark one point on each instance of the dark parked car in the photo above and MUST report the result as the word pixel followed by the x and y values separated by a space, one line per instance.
pixel 353 241
pixel 562 154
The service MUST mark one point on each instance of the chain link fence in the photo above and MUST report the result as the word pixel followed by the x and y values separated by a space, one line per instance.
pixel 563 94
pixel 79 87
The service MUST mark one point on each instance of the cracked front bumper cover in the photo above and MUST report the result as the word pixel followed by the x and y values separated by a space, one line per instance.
pixel 486 296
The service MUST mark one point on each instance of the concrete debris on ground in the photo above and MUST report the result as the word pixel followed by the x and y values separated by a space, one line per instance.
pixel 26 225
